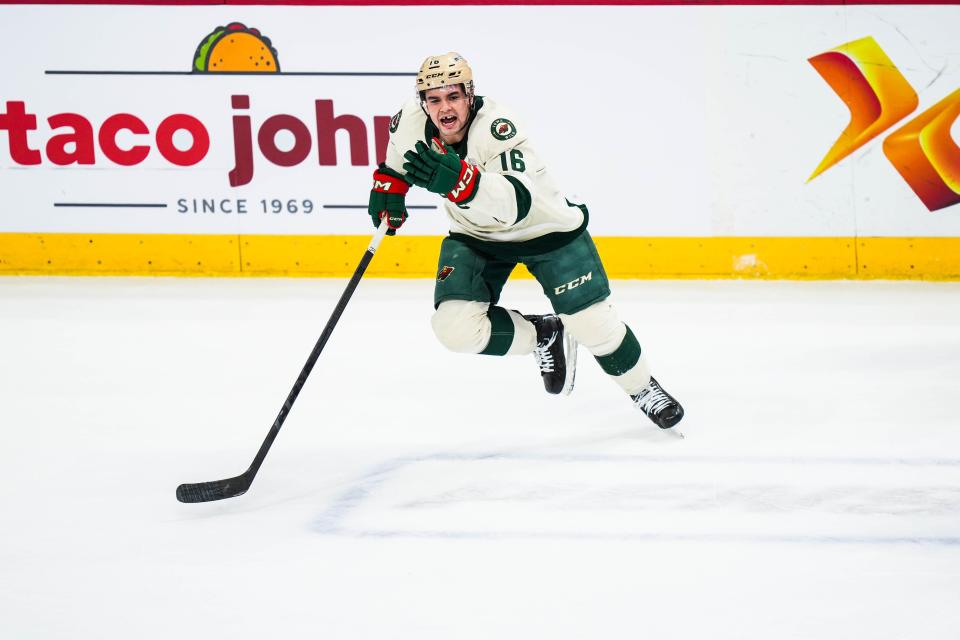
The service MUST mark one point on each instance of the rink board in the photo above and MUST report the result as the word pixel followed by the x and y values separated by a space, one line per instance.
pixel 750 140
pixel 416 256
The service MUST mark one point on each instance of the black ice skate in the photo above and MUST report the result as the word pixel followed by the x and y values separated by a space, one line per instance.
pixel 555 353
pixel 658 405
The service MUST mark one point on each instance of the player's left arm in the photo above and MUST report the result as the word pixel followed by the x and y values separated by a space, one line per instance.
pixel 496 194
pixel 512 191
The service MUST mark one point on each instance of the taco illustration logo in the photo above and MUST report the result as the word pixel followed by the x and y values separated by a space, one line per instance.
pixel 235 48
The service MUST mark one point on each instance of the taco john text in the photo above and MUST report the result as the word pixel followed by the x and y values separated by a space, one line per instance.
pixel 74 141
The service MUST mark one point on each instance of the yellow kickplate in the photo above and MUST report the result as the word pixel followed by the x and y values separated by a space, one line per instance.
pixel 914 258
pixel 416 256
pixel 118 254
pixel 337 256
pixel 728 257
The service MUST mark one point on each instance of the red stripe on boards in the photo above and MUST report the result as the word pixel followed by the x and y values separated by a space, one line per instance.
pixel 413 3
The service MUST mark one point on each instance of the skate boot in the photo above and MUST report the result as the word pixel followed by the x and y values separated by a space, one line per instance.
pixel 555 353
pixel 658 405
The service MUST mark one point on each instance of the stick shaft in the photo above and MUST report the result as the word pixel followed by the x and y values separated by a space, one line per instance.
pixel 232 487
pixel 317 349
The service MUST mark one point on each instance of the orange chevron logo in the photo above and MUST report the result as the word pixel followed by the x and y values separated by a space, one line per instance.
pixel 879 96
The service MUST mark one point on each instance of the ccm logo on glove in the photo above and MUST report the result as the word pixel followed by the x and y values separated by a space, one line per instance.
pixel 465 186
pixel 387 184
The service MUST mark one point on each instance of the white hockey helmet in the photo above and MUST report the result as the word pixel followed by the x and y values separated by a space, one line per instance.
pixel 444 70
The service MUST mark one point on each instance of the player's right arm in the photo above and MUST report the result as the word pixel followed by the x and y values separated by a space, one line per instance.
pixel 390 186
pixel 388 198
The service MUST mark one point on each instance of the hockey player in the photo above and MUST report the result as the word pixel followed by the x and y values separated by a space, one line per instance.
pixel 504 209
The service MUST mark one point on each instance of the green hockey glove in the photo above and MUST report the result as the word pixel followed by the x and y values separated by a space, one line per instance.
pixel 388 198
pixel 442 171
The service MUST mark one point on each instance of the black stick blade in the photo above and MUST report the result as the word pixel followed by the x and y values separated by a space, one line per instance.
pixel 216 490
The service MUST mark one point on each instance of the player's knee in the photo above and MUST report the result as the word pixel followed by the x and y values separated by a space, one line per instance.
pixel 598 328
pixel 462 325
pixel 616 349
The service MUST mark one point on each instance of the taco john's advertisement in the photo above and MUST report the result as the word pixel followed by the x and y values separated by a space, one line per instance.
pixel 218 136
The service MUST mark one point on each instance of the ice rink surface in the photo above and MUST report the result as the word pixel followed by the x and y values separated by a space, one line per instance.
pixel 415 493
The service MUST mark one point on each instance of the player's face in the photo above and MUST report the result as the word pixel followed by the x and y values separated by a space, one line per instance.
pixel 449 110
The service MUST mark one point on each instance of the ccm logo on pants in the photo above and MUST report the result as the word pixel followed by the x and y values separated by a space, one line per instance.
pixel 573 284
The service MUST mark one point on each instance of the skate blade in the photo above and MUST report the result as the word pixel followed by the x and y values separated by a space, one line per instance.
pixel 570 348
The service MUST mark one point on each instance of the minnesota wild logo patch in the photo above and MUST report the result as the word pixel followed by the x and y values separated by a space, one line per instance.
pixel 444 273
pixel 503 129
pixel 395 122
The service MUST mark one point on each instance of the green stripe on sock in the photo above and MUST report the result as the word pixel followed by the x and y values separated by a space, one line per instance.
pixel 501 332
pixel 624 358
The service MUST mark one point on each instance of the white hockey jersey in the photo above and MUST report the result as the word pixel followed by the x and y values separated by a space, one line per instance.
pixel 516 200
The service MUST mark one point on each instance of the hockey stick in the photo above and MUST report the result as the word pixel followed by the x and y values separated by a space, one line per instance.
pixel 233 487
